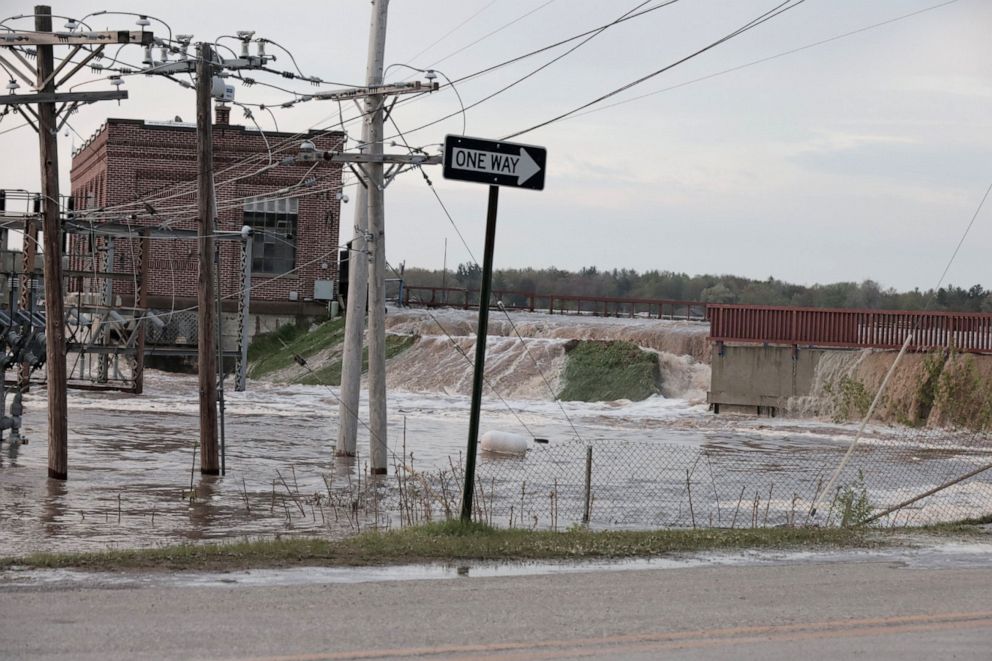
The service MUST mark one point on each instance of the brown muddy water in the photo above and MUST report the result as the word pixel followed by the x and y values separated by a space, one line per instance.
pixel 130 461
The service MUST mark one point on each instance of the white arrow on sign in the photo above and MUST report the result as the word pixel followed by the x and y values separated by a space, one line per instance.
pixel 523 167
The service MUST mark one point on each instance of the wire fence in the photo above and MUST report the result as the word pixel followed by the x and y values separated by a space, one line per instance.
pixel 619 484
pixel 625 484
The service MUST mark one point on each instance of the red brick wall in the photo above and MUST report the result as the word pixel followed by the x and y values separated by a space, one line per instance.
pixel 129 160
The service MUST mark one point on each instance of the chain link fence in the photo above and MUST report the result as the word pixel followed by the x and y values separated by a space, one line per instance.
pixel 922 476
pixel 175 328
pixel 626 484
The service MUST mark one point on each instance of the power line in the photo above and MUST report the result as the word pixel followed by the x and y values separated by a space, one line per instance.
pixel 767 59
pixel 451 31
pixel 750 25
pixel 585 37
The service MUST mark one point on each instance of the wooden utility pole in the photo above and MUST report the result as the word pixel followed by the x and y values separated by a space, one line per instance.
pixel 354 323
pixel 377 260
pixel 58 447
pixel 362 272
pixel 206 330
pixel 45 120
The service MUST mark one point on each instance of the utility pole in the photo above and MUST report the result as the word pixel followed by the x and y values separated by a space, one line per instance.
pixel 360 268
pixel 58 444
pixel 354 325
pixel 206 330
pixel 377 259
pixel 367 258
pixel 45 120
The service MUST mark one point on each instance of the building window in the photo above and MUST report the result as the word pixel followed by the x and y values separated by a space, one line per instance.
pixel 274 241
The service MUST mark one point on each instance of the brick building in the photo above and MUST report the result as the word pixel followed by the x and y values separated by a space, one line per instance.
pixel 293 207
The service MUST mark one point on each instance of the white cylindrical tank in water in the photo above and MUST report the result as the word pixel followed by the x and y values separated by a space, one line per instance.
pixel 503 442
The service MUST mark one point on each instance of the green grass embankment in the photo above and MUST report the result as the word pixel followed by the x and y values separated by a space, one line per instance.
pixel 451 541
pixel 275 351
pixel 606 371
pixel 329 374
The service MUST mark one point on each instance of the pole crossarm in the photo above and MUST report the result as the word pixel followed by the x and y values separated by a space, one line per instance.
pixel 132 231
pixel 60 97
pixel 402 159
pixel 375 90
pixel 189 66
pixel 29 38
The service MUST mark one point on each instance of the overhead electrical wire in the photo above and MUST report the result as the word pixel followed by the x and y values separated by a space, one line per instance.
pixel 451 31
pixel 750 25
pixel 488 34
pixel 127 205
pixel 769 58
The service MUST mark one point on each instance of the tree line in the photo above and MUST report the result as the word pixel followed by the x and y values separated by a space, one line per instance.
pixel 629 283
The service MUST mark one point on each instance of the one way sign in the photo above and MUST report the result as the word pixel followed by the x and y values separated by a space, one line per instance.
pixel 494 163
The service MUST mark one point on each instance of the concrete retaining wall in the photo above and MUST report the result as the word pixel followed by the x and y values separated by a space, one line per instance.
pixel 760 379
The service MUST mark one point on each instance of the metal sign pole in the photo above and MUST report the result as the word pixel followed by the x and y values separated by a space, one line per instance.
pixel 480 355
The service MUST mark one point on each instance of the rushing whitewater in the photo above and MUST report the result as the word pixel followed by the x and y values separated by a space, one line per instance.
pixel 525 359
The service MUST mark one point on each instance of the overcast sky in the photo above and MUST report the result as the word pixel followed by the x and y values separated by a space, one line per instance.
pixel 864 157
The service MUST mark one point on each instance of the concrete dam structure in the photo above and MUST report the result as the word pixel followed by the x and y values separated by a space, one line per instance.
pixel 808 361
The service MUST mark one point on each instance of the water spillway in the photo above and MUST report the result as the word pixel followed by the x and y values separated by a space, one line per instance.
pixel 527 354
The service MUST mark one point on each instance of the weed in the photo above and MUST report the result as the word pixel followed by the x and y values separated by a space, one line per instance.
pixel 852 504
pixel 933 367
pixel 852 399
pixel 963 396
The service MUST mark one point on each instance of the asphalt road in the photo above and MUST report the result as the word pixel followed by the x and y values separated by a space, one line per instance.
pixel 879 609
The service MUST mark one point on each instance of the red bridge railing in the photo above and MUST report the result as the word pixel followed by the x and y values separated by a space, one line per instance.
pixel 606 306
pixel 822 327
pixel 826 327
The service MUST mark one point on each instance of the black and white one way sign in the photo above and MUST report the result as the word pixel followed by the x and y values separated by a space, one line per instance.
pixel 494 163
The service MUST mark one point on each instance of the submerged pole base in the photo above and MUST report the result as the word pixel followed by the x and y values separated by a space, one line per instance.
pixel 57 475
pixel 209 471
pixel 377 471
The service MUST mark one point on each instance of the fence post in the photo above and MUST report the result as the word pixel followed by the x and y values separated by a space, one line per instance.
pixel 588 507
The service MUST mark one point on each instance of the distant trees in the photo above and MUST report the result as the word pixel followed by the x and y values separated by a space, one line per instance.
pixel 592 281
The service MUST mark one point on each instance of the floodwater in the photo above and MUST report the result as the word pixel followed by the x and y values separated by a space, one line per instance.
pixel 134 474
pixel 131 465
